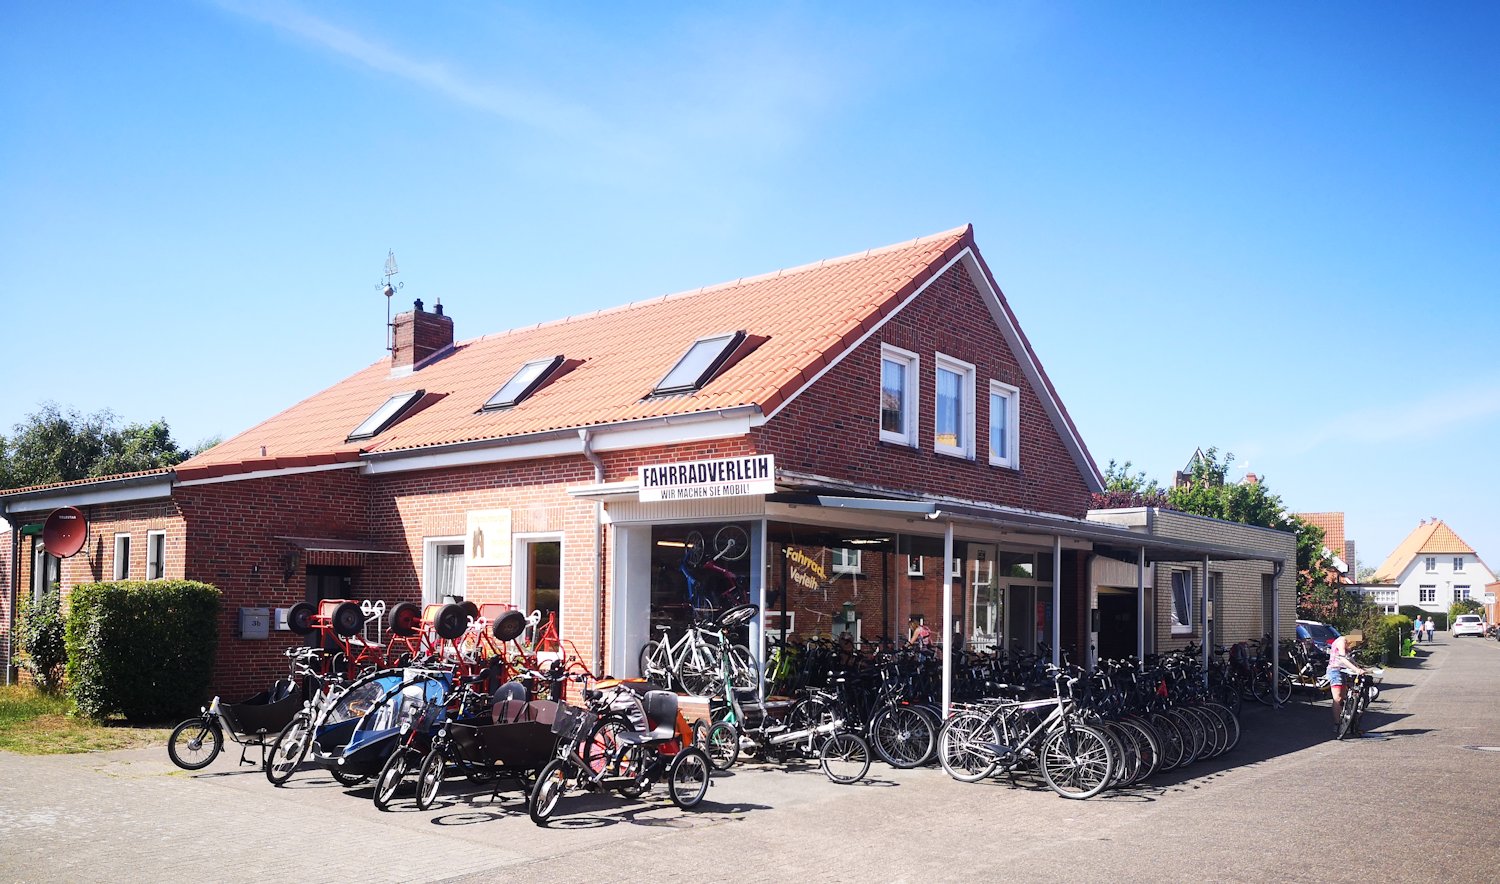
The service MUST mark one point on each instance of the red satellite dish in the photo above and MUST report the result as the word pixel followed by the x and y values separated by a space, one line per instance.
pixel 65 531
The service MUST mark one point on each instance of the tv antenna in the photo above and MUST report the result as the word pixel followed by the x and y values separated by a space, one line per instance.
pixel 388 290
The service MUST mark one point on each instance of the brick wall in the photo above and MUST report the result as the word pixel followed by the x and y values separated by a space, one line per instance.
pixel 832 429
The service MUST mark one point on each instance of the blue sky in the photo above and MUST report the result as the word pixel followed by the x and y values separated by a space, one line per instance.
pixel 1274 228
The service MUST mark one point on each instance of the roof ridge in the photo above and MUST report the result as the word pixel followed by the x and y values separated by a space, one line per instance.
pixel 955 232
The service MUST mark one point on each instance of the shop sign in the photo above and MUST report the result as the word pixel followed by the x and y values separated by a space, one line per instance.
pixel 488 538
pixel 805 571
pixel 702 479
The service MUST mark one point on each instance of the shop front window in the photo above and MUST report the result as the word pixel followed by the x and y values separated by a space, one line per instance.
pixel 697 570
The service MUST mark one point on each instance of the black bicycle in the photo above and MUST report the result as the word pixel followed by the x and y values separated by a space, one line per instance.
pixel 1356 701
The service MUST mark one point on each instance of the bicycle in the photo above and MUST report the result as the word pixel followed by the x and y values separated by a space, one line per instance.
pixel 602 751
pixel 1356 701
pixel 694 659
pixel 1075 759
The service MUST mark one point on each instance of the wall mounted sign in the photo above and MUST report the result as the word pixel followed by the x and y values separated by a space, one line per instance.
pixel 803 570
pixel 702 479
pixel 487 541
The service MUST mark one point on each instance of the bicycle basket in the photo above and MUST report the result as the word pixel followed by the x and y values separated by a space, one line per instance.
pixel 572 722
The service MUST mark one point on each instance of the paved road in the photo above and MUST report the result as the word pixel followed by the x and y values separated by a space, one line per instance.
pixel 1288 804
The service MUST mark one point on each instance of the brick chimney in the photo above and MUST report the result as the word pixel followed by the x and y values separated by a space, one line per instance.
pixel 418 335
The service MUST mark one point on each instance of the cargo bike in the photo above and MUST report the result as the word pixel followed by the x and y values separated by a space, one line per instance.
pixel 252 723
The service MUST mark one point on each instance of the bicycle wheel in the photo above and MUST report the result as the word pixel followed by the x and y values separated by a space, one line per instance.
pixel 845 757
pixel 1283 686
pixel 1147 748
pixel 1193 737
pixel 391 774
pixel 723 745
pixel 430 778
pixel 345 778
pixel 700 672
pixel 731 543
pixel 602 750
pixel 1169 738
pixel 1076 761
pixel 548 790
pixel 1123 747
pixel 195 743
pixel 287 752
pixel 653 663
pixel 687 777
pixel 809 713
pixel 962 748
pixel 902 736
pixel 744 671
pixel 1231 724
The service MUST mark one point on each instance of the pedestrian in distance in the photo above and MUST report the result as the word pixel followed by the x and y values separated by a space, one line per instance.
pixel 1429 629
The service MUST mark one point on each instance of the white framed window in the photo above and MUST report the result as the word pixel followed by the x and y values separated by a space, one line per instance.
pixel 122 556
pixel 898 395
pixel 1426 595
pixel 914 566
pixel 46 569
pixel 953 409
pixel 1182 602
pixel 443 570
pixel 1460 593
pixel 1005 424
pixel 1458 563
pixel 956 568
pixel 845 561
pixel 156 555
pixel 1431 564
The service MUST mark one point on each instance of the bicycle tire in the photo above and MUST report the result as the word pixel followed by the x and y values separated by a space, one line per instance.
pixel 956 750
pixel 653 663
pixel 345 778
pixel 1126 761
pixel 903 737
pixel 1169 736
pixel 1148 748
pixel 731 543
pixel 1216 730
pixel 723 745
pixel 548 790
pixel 700 673
pixel 1231 723
pixel 391 774
pixel 844 757
pixel 430 778
pixel 1193 736
pixel 187 751
pixel 744 670
pixel 688 777
pixel 1283 686
pixel 288 750
pixel 1076 761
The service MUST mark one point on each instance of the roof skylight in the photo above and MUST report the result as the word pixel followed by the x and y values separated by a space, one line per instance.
pixel 385 415
pixel 523 383
pixel 698 364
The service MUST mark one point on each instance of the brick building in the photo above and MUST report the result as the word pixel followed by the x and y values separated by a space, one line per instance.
pixel 850 444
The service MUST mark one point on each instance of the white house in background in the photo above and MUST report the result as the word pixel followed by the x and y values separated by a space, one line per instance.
pixel 1432 568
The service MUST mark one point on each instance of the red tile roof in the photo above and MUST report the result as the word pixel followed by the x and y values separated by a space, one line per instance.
pixel 118 477
pixel 1333 530
pixel 807 315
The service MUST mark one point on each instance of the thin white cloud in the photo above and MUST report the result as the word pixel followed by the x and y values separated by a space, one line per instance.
pixel 1397 420
pixel 531 108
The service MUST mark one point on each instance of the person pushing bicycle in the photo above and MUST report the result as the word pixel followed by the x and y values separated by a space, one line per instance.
pixel 1340 664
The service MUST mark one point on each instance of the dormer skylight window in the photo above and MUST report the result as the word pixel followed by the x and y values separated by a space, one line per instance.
pixel 523 383
pixel 393 410
pixel 699 364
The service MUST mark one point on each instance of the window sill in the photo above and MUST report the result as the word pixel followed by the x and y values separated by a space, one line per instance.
pixel 904 444
pixel 954 453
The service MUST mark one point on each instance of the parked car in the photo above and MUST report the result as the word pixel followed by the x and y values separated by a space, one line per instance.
pixel 1320 634
pixel 1468 624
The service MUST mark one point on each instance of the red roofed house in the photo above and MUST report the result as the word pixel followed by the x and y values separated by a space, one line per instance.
pixel 1432 568
pixel 820 440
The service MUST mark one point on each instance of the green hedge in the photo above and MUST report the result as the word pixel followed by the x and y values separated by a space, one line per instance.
pixel 145 650
pixel 1383 637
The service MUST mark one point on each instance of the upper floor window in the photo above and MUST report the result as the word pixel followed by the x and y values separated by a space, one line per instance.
pixel 156 555
pixel 1431 563
pixel 122 556
pixel 1458 563
pixel 1004 424
pixel 898 395
pixel 953 423
pixel 845 561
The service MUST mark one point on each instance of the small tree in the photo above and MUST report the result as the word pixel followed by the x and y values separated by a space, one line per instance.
pixel 40 638
pixel 1464 606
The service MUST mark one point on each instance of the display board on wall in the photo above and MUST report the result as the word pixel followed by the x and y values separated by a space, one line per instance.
pixel 487 540
pixel 702 479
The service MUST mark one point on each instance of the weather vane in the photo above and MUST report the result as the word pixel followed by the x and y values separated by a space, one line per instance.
pixel 388 290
